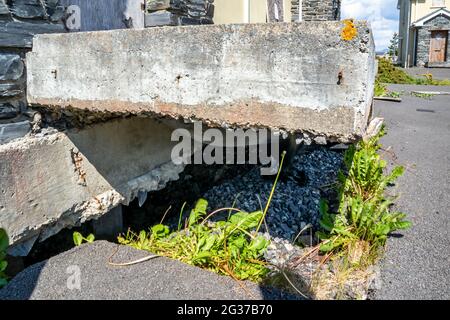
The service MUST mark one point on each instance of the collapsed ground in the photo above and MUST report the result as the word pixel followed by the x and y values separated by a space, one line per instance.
pixel 291 222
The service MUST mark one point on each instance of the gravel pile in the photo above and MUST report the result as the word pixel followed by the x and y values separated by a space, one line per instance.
pixel 296 201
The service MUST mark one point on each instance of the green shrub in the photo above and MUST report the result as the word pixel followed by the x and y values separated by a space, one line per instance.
pixel 388 73
pixel 364 220
pixel 227 247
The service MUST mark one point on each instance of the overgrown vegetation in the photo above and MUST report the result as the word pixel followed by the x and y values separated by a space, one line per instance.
pixel 230 247
pixel 381 90
pixel 388 73
pixel 4 243
pixel 78 238
pixel 359 229
pixel 227 247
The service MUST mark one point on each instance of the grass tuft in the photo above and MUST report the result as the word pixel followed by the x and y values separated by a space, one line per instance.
pixel 229 247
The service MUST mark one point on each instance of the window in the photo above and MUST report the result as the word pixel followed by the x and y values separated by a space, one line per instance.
pixel 438 3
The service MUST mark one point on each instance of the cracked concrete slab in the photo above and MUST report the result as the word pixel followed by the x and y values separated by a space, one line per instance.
pixel 49 182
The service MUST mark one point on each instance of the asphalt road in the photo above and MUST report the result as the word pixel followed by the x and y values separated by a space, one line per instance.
pixel 84 273
pixel 417 264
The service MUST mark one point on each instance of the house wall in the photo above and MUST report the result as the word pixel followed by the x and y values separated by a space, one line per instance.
pixel 424 39
pixel 316 10
pixel 421 8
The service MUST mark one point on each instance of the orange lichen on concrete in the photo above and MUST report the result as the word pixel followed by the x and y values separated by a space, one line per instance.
pixel 349 32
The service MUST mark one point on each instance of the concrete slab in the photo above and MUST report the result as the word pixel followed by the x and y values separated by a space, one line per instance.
pixel 301 77
pixel 84 274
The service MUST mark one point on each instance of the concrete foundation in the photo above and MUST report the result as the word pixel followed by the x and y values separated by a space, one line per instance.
pixel 300 77
pixel 61 179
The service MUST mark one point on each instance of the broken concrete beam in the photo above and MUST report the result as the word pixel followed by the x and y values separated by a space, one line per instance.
pixel 301 77
pixel 57 180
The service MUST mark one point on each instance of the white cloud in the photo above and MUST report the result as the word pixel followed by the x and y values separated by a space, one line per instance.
pixel 382 14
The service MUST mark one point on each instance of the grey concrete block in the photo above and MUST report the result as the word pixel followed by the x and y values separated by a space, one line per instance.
pixel 11 66
pixel 57 180
pixel 302 77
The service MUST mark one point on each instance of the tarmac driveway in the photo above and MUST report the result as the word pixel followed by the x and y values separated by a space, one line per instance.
pixel 417 264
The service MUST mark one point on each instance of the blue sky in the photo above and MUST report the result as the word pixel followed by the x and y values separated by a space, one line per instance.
pixel 382 14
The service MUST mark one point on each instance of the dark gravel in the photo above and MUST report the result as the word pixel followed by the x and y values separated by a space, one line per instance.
pixel 417 263
pixel 296 200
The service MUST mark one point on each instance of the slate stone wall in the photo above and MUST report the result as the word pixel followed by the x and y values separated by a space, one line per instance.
pixel 317 10
pixel 20 20
pixel 424 39
pixel 179 12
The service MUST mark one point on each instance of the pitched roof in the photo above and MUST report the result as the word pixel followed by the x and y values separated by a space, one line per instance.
pixel 438 12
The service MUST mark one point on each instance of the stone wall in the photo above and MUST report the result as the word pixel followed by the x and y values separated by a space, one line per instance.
pixel 317 10
pixel 179 12
pixel 424 39
pixel 20 20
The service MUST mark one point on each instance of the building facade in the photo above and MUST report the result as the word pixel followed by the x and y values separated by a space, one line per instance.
pixel 258 11
pixel 424 33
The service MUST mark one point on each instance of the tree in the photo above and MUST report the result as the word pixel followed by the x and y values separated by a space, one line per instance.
pixel 393 46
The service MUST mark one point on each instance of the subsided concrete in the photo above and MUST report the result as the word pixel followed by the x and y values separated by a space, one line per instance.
pixel 49 182
pixel 299 77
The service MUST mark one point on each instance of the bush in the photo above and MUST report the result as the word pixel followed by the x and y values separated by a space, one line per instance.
pixel 388 73
pixel 364 220
pixel 226 247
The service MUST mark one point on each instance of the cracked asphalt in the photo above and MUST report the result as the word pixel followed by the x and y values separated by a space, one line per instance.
pixel 417 261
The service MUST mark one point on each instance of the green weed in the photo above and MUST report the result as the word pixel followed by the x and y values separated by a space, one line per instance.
pixel 4 243
pixel 428 96
pixel 388 73
pixel 363 222
pixel 381 90
pixel 229 247
pixel 78 238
